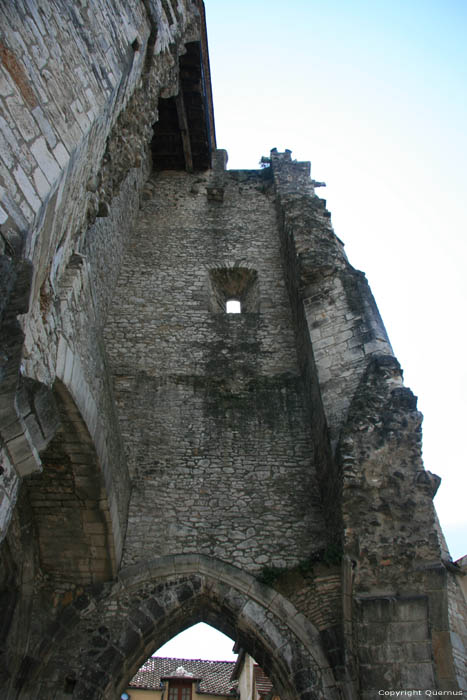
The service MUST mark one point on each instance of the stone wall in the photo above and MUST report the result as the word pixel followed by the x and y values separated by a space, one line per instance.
pixel 79 91
pixel 211 404
pixel 183 455
pixel 342 319
pixel 457 615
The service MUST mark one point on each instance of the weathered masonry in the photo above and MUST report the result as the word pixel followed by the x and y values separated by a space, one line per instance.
pixel 163 461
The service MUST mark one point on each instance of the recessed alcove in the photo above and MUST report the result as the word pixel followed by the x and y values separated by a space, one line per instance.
pixel 233 290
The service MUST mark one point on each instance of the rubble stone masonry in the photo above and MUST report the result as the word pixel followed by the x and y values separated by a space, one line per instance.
pixel 162 461
pixel 223 428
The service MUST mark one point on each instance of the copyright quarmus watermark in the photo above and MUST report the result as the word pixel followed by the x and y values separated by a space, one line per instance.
pixel 420 693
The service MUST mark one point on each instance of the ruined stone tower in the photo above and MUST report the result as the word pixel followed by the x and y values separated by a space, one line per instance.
pixel 165 462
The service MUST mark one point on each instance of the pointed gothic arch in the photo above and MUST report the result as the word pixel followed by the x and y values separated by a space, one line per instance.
pixel 108 633
pixel 69 502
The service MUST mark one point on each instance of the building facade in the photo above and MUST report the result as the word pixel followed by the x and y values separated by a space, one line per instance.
pixel 163 461
pixel 162 678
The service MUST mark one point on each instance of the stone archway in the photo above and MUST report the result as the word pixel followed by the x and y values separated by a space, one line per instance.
pixel 108 632
pixel 69 502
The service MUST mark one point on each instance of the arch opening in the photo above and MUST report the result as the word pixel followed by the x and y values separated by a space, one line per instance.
pixel 196 663
pixel 200 662
pixel 118 629
pixel 69 503
pixel 202 610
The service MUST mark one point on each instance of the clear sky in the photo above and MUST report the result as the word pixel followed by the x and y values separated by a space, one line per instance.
pixel 200 641
pixel 374 94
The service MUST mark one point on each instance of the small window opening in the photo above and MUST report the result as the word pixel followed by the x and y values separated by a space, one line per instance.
pixel 233 290
pixel 233 306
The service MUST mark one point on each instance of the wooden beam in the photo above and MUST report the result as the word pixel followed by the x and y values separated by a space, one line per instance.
pixel 184 131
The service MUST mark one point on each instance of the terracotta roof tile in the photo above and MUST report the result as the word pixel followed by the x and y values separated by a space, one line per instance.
pixel 215 675
pixel 262 682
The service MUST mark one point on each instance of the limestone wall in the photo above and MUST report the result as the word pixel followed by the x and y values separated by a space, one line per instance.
pixel 79 89
pixel 211 405
pixel 79 86
pixel 457 611
pixel 66 72
pixel 263 439
pixel 341 317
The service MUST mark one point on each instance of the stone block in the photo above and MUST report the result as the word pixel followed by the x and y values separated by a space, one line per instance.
pixel 129 642
pixel 24 183
pixel 142 622
pixel 45 160
pixel 12 430
pixel 155 609
pixel 21 117
pixel 416 651
pixel 93 528
pixel 386 652
pixel 3 215
pixel 19 448
pixel 61 155
pixel 6 86
pixel 418 675
pixel 374 634
pixel 45 126
pixel 377 610
pixel 68 368
pixel 413 609
pixel 380 677
pixel 443 655
pixel 35 432
pixel 60 361
pixel 415 631
pixel 41 184
pixel 7 501
pixel 47 413
pixel 30 464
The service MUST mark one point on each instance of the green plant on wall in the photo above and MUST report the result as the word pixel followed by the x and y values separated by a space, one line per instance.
pixel 330 556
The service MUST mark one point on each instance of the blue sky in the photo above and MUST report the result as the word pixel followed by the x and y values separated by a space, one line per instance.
pixel 374 94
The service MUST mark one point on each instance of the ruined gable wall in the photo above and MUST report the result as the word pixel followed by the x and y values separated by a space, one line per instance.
pixel 77 113
pixel 211 404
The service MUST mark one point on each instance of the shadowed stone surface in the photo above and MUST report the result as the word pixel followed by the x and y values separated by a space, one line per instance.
pixel 164 462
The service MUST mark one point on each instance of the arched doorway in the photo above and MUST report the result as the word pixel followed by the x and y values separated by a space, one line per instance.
pixel 70 504
pixel 108 632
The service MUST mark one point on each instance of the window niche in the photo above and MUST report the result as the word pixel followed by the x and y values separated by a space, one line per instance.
pixel 228 285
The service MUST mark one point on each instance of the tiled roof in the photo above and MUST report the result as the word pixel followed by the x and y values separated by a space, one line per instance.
pixel 263 684
pixel 215 675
